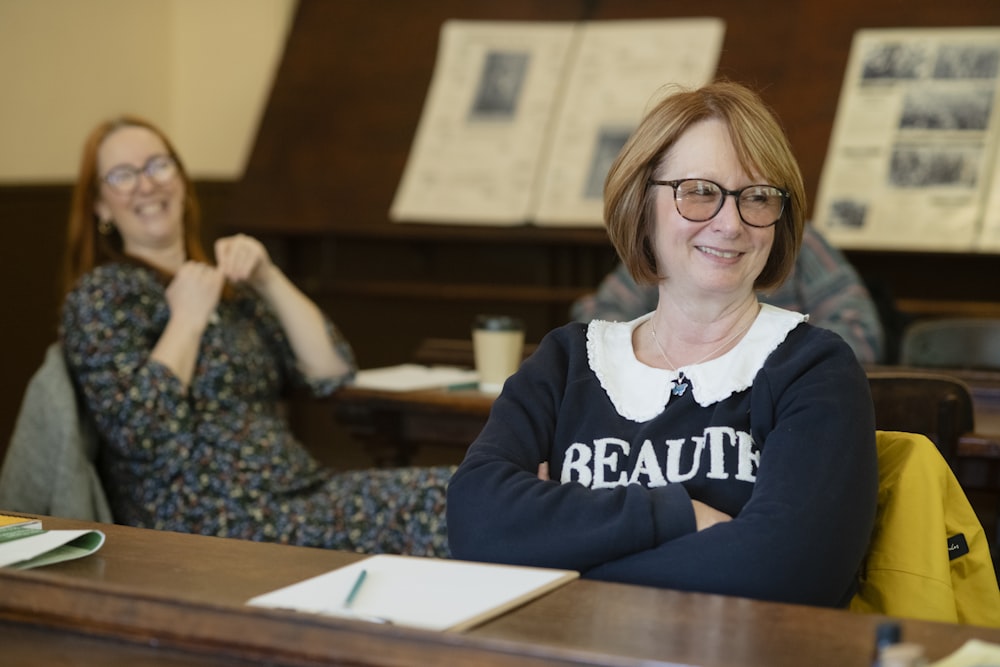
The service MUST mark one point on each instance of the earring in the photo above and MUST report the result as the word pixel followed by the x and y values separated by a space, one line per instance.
pixel 105 227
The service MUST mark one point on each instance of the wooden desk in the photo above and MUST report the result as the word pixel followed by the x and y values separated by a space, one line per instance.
pixel 161 598
pixel 985 389
pixel 394 425
pixel 978 464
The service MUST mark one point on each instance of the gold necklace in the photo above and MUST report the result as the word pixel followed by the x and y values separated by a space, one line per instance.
pixel 680 384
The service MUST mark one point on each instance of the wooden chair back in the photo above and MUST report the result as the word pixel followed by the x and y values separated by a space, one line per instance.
pixel 936 405
pixel 959 342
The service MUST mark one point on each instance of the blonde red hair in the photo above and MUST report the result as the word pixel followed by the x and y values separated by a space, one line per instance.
pixel 761 148
pixel 86 246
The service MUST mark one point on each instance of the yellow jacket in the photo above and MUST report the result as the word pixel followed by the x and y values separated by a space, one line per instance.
pixel 929 557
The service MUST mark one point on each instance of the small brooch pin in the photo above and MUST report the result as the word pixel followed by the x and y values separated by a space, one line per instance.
pixel 680 386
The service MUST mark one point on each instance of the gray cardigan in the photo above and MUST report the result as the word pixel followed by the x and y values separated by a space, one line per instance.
pixel 49 466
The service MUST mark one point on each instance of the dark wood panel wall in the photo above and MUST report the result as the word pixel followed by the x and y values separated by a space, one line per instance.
pixel 332 146
pixel 34 218
pixel 344 109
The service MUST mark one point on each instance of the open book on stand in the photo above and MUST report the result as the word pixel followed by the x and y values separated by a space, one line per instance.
pixel 912 162
pixel 25 543
pixel 523 119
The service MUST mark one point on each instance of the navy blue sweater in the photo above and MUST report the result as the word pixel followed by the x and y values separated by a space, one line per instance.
pixel 792 458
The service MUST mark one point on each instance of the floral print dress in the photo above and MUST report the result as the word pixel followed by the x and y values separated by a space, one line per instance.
pixel 220 458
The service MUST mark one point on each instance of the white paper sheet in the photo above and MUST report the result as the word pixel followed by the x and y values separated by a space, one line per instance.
pixel 43 547
pixel 476 152
pixel 427 593
pixel 620 70
pixel 411 377
pixel 973 653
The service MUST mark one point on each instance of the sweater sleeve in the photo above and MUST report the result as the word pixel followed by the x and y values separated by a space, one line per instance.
pixel 110 324
pixel 499 510
pixel 255 310
pixel 806 527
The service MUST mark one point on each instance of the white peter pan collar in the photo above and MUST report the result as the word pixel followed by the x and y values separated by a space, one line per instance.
pixel 640 392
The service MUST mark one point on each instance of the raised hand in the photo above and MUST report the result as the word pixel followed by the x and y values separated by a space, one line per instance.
pixel 193 294
pixel 242 258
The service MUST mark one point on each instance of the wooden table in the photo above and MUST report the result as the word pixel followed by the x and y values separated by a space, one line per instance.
pixel 985 389
pixel 162 598
pixel 393 425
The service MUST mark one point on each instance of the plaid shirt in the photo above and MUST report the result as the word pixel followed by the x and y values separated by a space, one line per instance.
pixel 822 284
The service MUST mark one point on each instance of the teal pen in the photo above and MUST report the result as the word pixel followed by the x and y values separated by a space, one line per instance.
pixel 355 588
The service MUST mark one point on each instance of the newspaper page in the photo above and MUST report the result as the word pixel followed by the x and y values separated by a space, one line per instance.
pixel 620 70
pixel 989 238
pixel 911 154
pixel 476 152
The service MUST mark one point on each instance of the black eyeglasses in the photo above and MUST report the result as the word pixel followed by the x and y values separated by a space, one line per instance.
pixel 124 178
pixel 698 200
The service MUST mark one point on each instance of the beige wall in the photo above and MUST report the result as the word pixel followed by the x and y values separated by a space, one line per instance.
pixel 201 69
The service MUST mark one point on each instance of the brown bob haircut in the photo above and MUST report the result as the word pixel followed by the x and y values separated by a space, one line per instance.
pixel 761 147
pixel 86 247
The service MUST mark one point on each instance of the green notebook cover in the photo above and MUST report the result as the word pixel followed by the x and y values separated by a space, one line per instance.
pixel 27 547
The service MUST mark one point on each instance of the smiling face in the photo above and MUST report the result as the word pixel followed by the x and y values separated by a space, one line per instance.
pixel 718 258
pixel 150 218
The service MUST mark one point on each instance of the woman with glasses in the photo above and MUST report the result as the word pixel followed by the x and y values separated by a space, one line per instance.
pixel 823 284
pixel 715 444
pixel 182 362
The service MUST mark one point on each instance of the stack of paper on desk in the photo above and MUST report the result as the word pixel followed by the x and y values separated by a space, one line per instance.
pixel 411 377
pixel 427 593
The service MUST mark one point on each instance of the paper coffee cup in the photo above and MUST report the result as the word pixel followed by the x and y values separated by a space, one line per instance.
pixel 498 345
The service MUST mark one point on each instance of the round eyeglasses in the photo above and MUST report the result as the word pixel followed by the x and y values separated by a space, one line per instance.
pixel 698 200
pixel 124 178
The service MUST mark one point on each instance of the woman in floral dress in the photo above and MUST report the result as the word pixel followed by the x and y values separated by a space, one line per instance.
pixel 183 362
